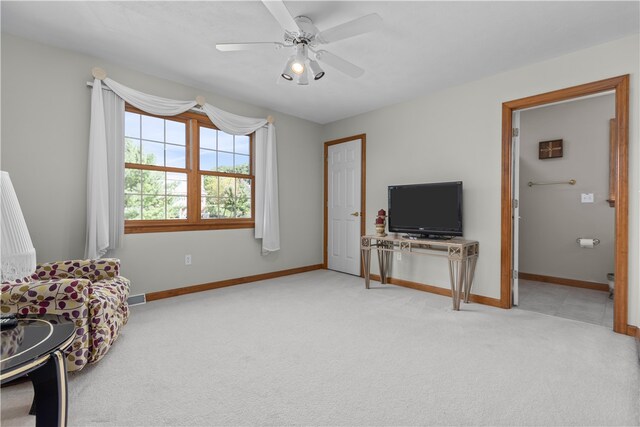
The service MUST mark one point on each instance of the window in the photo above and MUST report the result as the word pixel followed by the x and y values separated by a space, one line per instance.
pixel 181 173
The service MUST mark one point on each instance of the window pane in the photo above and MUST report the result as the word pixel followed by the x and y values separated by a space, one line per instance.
pixel 132 181
pixel 207 138
pixel 152 153
pixel 152 128
pixel 226 209
pixel 209 207
pixel 175 155
pixel 225 142
pixel 153 182
pixel 243 198
pixel 132 207
pixel 227 186
pixel 132 153
pixel 243 187
pixel 132 124
pixel 153 207
pixel 176 207
pixel 207 160
pixel 176 132
pixel 225 162
pixel 177 183
pixel 209 186
pixel 242 164
pixel 242 144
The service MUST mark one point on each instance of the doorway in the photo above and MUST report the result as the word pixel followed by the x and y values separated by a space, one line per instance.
pixel 620 86
pixel 564 210
pixel 344 203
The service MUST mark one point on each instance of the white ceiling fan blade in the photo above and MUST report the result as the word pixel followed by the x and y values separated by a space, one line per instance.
pixel 230 47
pixel 358 26
pixel 339 64
pixel 282 15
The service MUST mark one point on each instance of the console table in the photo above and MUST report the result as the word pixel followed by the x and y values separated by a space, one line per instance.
pixel 462 255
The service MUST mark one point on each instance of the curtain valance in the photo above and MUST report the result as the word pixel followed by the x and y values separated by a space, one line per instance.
pixel 105 175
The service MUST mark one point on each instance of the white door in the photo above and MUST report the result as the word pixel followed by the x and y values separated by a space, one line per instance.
pixel 516 201
pixel 343 206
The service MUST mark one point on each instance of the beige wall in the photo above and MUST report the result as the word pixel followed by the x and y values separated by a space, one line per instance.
pixel 552 216
pixel 455 134
pixel 45 128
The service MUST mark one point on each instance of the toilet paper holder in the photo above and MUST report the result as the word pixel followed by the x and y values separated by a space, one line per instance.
pixel 595 241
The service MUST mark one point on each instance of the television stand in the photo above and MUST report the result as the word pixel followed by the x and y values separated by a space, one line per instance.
pixel 462 256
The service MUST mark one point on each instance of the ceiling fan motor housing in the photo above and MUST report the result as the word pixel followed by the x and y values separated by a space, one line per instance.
pixel 306 35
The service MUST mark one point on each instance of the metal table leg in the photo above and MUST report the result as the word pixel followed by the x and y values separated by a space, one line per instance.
pixel 387 264
pixel 383 262
pixel 471 269
pixel 366 266
pixel 457 271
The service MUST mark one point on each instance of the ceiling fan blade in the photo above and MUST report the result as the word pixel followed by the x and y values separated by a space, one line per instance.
pixel 230 47
pixel 282 15
pixel 358 26
pixel 339 64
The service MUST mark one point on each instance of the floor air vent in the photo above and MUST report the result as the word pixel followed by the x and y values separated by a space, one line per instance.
pixel 136 300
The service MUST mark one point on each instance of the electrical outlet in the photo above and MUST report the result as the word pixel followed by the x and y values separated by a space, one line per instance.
pixel 187 260
pixel 586 197
pixel 398 256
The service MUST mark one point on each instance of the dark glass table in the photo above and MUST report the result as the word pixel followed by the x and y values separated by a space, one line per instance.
pixel 34 347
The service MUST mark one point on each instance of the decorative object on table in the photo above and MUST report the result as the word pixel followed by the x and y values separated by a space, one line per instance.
pixel 550 149
pixel 89 293
pixel 18 253
pixel 381 222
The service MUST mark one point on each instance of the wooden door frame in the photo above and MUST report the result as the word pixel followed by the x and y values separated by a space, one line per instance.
pixel 363 186
pixel 620 85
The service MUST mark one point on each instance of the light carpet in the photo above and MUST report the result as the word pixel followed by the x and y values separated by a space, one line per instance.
pixel 319 349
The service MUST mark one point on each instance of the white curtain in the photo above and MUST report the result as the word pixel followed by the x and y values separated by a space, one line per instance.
pixel 149 103
pixel 232 123
pixel 114 116
pixel 266 210
pixel 105 186
pixel 97 241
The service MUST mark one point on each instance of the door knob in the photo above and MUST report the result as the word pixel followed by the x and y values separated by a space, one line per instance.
pixel 355 214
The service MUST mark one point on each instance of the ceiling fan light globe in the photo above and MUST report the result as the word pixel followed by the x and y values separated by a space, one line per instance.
pixel 302 79
pixel 316 71
pixel 286 73
pixel 297 67
pixel 299 59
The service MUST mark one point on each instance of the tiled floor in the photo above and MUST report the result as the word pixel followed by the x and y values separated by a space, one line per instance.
pixel 580 304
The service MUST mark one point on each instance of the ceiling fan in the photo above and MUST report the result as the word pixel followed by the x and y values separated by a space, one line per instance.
pixel 303 37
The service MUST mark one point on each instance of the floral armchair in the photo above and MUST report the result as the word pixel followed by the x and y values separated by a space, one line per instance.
pixel 90 293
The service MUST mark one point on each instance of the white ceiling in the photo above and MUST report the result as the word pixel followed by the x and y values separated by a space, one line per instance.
pixel 422 46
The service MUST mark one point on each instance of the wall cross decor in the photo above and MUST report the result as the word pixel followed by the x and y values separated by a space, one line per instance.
pixel 550 149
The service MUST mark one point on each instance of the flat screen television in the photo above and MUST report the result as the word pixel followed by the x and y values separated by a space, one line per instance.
pixel 426 210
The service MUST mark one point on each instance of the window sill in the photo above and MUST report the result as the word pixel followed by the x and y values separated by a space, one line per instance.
pixel 155 227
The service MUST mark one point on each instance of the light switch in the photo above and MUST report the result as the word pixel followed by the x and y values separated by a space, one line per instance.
pixel 587 198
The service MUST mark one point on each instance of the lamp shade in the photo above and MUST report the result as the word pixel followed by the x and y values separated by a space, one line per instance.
pixel 18 256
